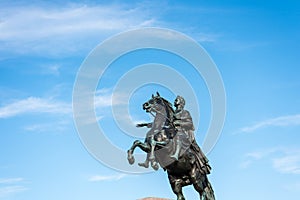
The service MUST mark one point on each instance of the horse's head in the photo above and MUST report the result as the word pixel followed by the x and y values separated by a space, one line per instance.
pixel 159 105
pixel 155 104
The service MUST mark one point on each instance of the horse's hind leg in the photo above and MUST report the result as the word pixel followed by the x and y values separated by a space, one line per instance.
pixel 208 192
pixel 202 186
pixel 197 181
pixel 176 185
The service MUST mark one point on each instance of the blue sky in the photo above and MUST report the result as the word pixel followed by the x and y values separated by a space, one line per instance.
pixel 255 45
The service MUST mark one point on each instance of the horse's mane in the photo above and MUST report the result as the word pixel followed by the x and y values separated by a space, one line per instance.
pixel 169 109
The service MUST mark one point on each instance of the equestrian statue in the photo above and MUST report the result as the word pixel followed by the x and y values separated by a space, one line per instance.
pixel 170 143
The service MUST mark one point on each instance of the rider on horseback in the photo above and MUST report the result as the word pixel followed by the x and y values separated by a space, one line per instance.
pixel 170 142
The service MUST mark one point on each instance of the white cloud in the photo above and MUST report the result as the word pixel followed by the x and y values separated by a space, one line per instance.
pixel 254 156
pixel 57 29
pixel 8 190
pixel 106 178
pixel 288 164
pixel 51 69
pixel 10 180
pixel 54 127
pixel 103 98
pixel 66 29
pixel 34 105
pixel 8 186
pixel 245 164
pixel 289 120
pixel 283 160
pixel 41 22
pixel 260 154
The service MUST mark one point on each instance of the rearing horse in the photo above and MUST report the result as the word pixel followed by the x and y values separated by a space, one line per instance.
pixel 159 146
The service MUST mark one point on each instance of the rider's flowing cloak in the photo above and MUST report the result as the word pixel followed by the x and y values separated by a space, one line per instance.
pixel 185 134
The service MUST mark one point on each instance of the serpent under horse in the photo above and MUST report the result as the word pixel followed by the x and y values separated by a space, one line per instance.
pixel 182 172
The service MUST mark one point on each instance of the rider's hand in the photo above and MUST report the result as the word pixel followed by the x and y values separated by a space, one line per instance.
pixel 149 125
pixel 140 125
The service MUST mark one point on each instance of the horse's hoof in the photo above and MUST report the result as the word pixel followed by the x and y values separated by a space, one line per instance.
pixel 131 159
pixel 146 165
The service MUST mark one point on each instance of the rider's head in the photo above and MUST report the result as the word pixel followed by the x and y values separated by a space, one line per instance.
pixel 179 102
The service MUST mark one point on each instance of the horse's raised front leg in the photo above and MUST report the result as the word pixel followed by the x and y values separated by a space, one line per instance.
pixel 144 146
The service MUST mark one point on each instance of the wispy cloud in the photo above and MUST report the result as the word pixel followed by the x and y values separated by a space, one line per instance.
pixel 8 190
pixel 283 160
pixel 289 120
pixel 254 156
pixel 9 186
pixel 65 29
pixel 36 28
pixel 53 127
pixel 53 69
pixel 46 68
pixel 34 105
pixel 10 180
pixel 288 164
pixel 104 98
pixel 97 178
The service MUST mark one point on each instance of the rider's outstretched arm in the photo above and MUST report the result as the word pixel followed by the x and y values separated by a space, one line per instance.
pixel 149 125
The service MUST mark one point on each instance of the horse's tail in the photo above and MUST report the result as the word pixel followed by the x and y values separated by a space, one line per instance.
pixel 208 193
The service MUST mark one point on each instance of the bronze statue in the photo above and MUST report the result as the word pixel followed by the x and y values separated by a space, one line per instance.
pixel 171 143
